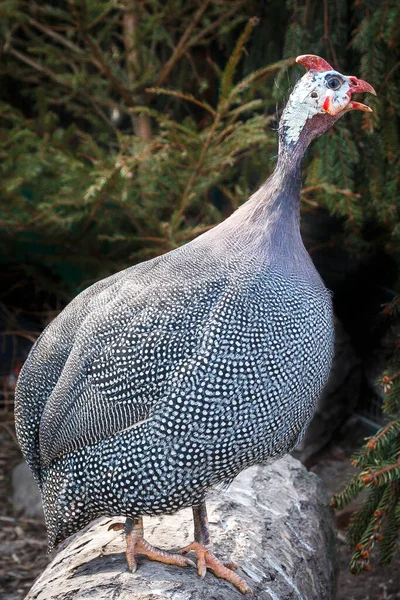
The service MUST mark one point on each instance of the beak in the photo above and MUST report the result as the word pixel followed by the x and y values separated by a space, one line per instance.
pixel 356 86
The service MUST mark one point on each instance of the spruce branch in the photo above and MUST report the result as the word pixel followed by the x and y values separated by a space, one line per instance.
pixel 37 66
pixel 360 560
pixel 115 82
pixel 182 45
pixel 222 109
pixel 229 71
pixel 382 437
pixel 215 24
pixel 182 96
pixel 261 75
pixel 61 39
pixel 383 475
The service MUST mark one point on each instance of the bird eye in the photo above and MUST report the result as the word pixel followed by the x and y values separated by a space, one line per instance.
pixel 334 83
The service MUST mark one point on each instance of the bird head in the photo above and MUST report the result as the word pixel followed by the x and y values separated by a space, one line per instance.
pixel 319 98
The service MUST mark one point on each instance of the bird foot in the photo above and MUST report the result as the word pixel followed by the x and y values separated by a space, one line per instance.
pixel 141 546
pixel 136 544
pixel 207 560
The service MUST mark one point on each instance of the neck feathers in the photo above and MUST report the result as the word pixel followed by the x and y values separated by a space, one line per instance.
pixel 294 122
pixel 300 123
pixel 267 226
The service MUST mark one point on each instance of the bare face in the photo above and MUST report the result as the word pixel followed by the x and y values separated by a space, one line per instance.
pixel 321 91
pixel 332 92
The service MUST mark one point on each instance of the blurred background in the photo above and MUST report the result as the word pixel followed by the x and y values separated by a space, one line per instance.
pixel 128 128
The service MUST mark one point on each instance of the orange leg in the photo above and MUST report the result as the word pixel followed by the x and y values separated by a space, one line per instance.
pixel 136 544
pixel 205 558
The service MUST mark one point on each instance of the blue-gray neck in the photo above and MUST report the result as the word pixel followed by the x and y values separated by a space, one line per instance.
pixel 266 229
pixel 268 224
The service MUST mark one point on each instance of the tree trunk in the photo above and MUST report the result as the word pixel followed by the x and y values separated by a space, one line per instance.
pixel 273 521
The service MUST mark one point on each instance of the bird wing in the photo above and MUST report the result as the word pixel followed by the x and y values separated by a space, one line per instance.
pixel 107 359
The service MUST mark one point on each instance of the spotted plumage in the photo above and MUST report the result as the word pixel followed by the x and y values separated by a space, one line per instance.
pixel 172 376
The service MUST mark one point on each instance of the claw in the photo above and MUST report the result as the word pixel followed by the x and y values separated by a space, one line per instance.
pixel 231 565
pixel 201 566
pixel 140 546
pixel 132 564
pixel 207 560
pixel 136 544
pixel 116 526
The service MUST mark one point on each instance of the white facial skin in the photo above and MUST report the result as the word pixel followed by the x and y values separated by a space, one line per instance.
pixel 327 92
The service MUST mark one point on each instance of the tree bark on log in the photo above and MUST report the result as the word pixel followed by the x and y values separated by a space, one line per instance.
pixel 274 522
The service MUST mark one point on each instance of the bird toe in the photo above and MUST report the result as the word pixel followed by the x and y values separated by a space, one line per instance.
pixel 207 560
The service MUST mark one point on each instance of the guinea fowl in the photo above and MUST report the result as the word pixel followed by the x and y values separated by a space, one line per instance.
pixel 172 376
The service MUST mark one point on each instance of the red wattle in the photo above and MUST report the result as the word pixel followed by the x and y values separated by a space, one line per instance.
pixel 326 103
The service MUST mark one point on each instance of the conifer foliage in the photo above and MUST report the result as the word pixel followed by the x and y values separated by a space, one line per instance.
pixel 378 473
pixel 126 132
pixel 127 128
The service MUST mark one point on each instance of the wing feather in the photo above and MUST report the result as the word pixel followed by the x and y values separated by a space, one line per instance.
pixel 121 365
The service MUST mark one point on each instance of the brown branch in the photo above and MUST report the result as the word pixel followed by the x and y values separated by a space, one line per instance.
pixel 327 39
pixel 100 17
pixel 61 39
pixel 153 240
pixel 115 82
pixel 29 337
pixel 195 232
pixel 395 376
pixel 141 122
pixel 383 23
pixel 390 73
pixel 326 22
pixel 349 213
pixel 323 245
pixel 37 66
pixel 92 101
pixel 214 25
pixel 182 45
pixel 56 36
pixel 80 19
pixel 183 96
pixel 371 444
pixel 195 172
pixel 232 199
pixel 228 73
pixel 371 477
pixel 49 73
pixel 323 186
pixel 305 15
pixel 218 116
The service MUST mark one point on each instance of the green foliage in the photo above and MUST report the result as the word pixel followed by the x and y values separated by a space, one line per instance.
pixel 102 165
pixel 121 137
pixel 126 135
pixel 359 157
pixel 378 464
